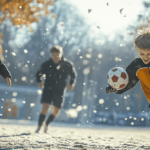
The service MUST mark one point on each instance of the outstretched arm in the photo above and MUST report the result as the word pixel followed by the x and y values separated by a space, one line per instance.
pixel 133 79
pixel 39 74
pixel 73 76
pixel 4 71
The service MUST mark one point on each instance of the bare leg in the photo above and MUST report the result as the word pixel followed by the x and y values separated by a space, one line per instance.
pixel 51 117
pixel 44 111
pixel 45 108
pixel 56 111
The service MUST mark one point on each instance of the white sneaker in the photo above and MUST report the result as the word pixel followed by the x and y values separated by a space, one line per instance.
pixel 45 128
pixel 37 130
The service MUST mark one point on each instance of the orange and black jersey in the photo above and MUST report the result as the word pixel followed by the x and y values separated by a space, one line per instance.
pixel 137 70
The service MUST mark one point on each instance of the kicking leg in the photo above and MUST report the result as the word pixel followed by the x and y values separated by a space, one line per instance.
pixel 51 117
pixel 45 109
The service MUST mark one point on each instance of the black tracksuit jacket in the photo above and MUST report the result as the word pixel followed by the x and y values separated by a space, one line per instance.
pixel 56 74
pixel 4 72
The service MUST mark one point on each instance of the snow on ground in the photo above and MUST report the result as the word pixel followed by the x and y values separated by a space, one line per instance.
pixel 20 135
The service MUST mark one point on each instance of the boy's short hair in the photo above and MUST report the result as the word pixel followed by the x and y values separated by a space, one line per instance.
pixel 56 49
pixel 142 39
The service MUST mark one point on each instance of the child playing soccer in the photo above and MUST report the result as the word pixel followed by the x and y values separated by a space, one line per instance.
pixel 139 68
pixel 57 69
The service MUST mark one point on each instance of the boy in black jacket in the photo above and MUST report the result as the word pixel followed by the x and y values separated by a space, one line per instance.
pixel 4 72
pixel 139 68
pixel 55 72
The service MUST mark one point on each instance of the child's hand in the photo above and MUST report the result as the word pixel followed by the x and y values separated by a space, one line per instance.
pixel 110 89
pixel 41 84
pixel 70 87
pixel 8 81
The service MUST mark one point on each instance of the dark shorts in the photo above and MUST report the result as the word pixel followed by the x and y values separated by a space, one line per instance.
pixel 50 96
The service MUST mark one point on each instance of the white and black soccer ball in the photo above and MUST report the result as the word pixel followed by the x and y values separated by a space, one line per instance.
pixel 117 78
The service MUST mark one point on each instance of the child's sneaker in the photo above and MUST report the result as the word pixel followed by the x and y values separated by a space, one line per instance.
pixel 37 130
pixel 45 128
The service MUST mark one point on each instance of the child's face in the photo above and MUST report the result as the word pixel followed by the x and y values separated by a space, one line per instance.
pixel 55 57
pixel 144 55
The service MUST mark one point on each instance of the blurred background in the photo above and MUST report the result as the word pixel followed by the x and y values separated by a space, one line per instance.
pixel 95 35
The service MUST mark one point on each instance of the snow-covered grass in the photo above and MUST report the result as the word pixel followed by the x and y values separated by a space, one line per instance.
pixel 17 134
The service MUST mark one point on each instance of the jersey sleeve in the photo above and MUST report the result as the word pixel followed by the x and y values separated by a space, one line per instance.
pixel 40 72
pixel 4 72
pixel 133 79
pixel 73 74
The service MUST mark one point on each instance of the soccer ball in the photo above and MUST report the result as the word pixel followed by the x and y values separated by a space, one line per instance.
pixel 117 78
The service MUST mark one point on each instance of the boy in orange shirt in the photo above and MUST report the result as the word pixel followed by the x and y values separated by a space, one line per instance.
pixel 139 68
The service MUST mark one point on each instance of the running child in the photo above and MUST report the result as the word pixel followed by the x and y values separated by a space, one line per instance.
pixel 56 71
